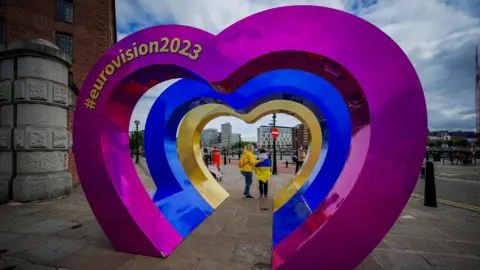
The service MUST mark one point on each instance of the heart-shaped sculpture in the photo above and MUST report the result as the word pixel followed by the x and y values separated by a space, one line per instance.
pixel 375 78
pixel 310 98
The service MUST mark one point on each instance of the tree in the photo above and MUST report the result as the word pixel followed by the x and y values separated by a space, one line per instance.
pixel 449 143
pixel 461 142
pixel 133 140
pixel 439 143
pixel 242 144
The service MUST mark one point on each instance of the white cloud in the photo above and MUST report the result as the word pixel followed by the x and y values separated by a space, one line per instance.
pixel 437 35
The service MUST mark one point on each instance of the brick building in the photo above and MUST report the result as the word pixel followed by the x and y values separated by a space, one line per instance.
pixel 83 29
pixel 300 136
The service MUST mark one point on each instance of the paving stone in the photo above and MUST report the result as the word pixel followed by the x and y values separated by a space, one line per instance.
pixel 473 248
pixel 422 245
pixel 51 250
pixel 383 245
pixel 236 236
pixel 417 231
pixel 259 221
pixel 469 235
pixel 173 262
pixel 9 224
pixel 252 252
pixel 93 258
pixel 417 213
pixel 209 264
pixel 208 228
pixel 369 264
pixel 461 263
pixel 45 227
pixel 14 243
pixel 204 246
pixel 248 233
pixel 90 231
pixel 394 260
pixel 17 264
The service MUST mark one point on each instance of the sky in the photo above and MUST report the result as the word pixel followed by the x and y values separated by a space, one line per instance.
pixel 439 36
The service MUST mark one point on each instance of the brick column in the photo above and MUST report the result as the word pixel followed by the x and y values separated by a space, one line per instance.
pixel 34 121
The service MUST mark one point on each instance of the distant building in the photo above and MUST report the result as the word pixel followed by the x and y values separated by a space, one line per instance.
pixel 300 135
pixel 265 139
pixel 235 138
pixel 445 135
pixel 226 135
pixel 210 137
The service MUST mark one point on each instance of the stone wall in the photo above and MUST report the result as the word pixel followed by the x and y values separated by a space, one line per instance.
pixel 34 140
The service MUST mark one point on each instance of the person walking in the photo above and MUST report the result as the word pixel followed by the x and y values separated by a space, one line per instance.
pixel 247 164
pixel 263 172
pixel 301 156
pixel 216 157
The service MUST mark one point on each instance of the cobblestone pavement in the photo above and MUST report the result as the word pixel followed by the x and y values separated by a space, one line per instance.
pixel 63 234
pixel 456 183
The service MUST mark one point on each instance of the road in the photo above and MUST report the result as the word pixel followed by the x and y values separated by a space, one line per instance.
pixel 456 183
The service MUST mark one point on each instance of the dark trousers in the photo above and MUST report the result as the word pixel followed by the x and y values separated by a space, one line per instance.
pixel 298 165
pixel 263 187
pixel 248 182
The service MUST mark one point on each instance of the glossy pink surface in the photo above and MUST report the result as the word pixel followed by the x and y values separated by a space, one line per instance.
pixel 377 180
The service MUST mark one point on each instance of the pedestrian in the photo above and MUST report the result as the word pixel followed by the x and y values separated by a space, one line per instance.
pixel 247 164
pixel 301 156
pixel 216 157
pixel 263 172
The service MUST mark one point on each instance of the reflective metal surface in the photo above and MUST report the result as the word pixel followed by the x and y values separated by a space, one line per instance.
pixel 304 95
pixel 371 73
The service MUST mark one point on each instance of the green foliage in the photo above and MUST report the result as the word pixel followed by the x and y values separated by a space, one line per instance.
pixel 133 140
pixel 242 144
pixel 461 142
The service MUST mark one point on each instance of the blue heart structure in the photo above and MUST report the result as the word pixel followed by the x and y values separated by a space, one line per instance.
pixel 182 204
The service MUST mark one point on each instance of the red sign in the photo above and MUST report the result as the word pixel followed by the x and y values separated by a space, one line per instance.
pixel 274 132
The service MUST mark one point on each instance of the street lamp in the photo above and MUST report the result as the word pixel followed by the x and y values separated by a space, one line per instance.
pixel 274 169
pixel 137 159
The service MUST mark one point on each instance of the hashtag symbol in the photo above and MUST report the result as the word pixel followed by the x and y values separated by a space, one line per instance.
pixel 90 104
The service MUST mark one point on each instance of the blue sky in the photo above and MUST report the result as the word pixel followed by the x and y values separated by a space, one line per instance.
pixel 439 36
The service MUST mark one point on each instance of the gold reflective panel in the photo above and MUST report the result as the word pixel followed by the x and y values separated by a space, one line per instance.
pixel 188 145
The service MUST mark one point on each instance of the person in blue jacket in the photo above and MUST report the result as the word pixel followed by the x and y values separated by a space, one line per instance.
pixel 263 172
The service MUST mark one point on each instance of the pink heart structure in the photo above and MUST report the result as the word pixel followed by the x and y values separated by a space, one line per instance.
pixel 386 151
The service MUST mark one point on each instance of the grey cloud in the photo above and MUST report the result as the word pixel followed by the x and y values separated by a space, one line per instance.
pixel 437 35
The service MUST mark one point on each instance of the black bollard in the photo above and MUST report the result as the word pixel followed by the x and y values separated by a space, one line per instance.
pixel 286 164
pixel 426 156
pixel 225 158
pixel 430 197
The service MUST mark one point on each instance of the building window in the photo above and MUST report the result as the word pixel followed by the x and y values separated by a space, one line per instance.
pixel 65 10
pixel 65 43
pixel 3 32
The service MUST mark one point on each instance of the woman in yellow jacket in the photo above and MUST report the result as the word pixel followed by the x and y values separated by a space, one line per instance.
pixel 247 164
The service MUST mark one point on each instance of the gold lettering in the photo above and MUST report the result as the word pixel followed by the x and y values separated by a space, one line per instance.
pixel 143 49
pixel 135 50
pixel 153 46
pixel 129 55
pixel 109 69
pixel 94 94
